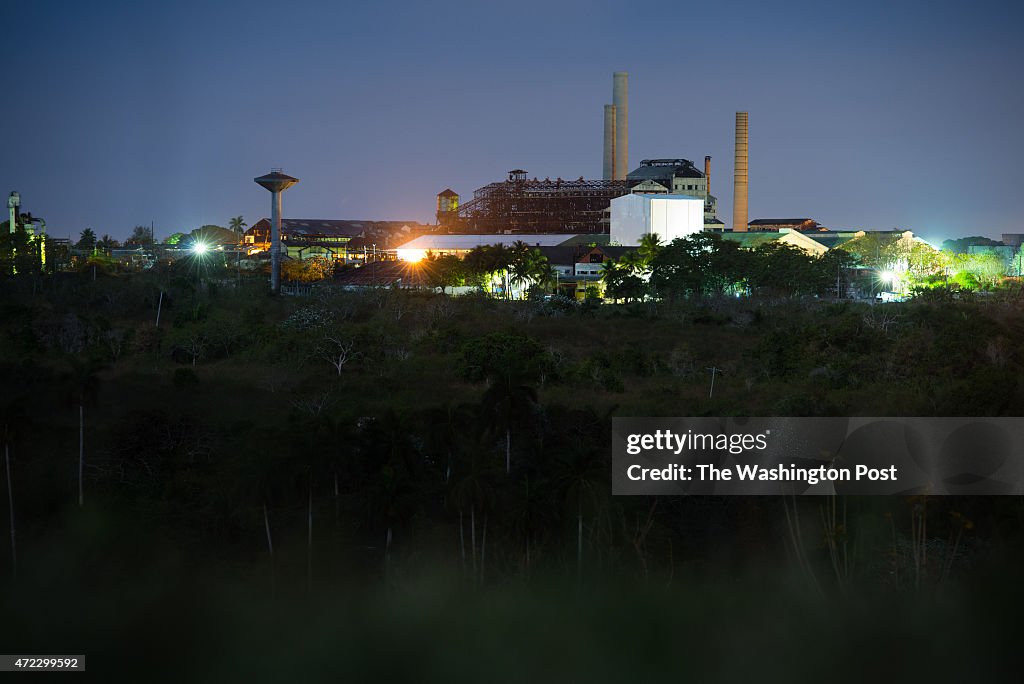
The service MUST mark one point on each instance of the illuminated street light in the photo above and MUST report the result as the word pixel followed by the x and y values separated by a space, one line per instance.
pixel 200 248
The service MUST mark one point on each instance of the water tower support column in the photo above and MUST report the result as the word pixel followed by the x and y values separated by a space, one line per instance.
pixel 276 182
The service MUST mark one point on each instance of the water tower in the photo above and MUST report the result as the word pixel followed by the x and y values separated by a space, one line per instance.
pixel 447 206
pixel 276 182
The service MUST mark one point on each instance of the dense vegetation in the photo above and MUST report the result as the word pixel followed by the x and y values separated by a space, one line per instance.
pixel 706 264
pixel 388 441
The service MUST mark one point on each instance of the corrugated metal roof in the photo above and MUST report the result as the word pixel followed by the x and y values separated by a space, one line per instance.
pixel 562 256
pixel 781 222
pixel 829 240
pixel 452 242
pixel 332 227
pixel 312 227
pixel 664 169
pixel 753 240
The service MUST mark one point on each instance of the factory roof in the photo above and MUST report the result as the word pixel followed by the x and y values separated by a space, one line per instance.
pixel 330 227
pixel 830 239
pixel 753 240
pixel 308 227
pixel 782 222
pixel 658 197
pixel 616 251
pixel 568 255
pixel 838 238
pixel 665 168
pixel 467 242
pixel 562 256
pixel 447 192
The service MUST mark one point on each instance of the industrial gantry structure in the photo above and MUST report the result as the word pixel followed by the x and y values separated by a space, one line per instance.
pixel 521 205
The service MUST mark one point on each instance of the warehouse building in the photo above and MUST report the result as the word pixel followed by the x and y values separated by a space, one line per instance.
pixel 668 216
pixel 333 239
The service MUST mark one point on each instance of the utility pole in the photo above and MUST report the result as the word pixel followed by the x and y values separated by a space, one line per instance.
pixel 714 371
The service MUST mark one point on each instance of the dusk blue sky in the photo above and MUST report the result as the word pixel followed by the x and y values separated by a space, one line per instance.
pixel 866 114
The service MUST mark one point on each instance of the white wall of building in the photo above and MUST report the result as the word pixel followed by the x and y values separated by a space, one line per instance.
pixel 670 216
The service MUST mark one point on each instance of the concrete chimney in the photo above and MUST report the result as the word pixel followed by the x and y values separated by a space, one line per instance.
pixel 608 171
pixel 707 174
pixel 620 100
pixel 739 194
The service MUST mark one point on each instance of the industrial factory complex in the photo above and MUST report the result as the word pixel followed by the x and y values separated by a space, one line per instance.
pixel 577 225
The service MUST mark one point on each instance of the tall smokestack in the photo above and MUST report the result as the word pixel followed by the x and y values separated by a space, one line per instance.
pixel 707 173
pixel 608 172
pixel 620 100
pixel 739 194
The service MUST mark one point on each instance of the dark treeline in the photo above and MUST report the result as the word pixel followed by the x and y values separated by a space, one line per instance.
pixel 372 439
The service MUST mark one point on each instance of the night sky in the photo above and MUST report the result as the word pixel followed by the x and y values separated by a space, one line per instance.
pixel 861 115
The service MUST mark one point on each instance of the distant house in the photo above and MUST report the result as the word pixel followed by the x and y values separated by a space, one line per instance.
pixel 590 263
pixel 581 266
pixel 713 225
pixel 1013 240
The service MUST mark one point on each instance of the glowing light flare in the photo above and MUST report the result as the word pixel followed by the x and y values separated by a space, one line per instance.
pixel 411 255
pixel 200 248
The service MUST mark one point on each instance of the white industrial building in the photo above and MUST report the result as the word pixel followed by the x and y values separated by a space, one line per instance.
pixel 669 216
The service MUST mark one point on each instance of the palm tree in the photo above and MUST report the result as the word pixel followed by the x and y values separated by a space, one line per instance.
pixel 546 274
pixel 237 224
pixel 87 240
pixel 107 242
pixel 632 262
pixel 528 266
pixel 649 246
